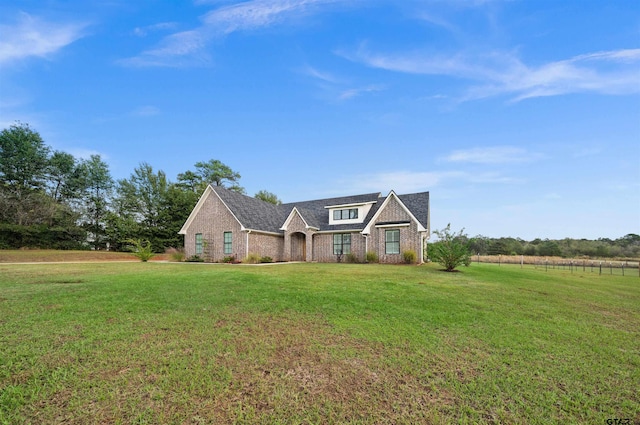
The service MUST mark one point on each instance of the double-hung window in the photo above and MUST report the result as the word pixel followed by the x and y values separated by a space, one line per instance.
pixel 341 243
pixel 199 243
pixel 228 238
pixel 392 241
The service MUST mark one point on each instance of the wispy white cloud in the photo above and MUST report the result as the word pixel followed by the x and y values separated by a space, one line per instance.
pixel 323 76
pixel 338 88
pixel 355 92
pixel 146 111
pixel 186 48
pixel 504 74
pixel 31 36
pixel 400 181
pixel 437 21
pixel 190 47
pixel 583 152
pixel 415 181
pixel 260 13
pixel 161 26
pixel 492 155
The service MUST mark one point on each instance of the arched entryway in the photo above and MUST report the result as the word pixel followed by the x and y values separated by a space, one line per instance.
pixel 298 246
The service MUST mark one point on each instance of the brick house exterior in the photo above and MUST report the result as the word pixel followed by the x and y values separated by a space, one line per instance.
pixel 225 223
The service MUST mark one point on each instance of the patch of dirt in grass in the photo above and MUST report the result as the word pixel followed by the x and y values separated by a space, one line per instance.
pixel 303 367
pixel 248 368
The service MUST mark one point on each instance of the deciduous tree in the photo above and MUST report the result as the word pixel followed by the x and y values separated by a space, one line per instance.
pixel 451 250
pixel 212 172
pixel 267 196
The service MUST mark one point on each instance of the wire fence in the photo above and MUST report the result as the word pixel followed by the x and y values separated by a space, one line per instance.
pixel 599 266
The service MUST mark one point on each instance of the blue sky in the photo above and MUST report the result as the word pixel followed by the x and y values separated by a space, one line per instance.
pixel 522 118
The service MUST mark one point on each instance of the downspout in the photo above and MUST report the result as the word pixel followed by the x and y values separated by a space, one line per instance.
pixel 247 245
pixel 366 244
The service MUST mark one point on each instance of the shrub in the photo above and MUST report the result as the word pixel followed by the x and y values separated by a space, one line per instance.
pixel 195 259
pixel 252 258
pixel 409 256
pixel 175 254
pixel 266 259
pixel 372 257
pixel 229 259
pixel 351 258
pixel 141 249
pixel 451 250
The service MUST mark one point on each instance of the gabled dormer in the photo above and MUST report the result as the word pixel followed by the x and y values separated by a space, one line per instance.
pixel 348 213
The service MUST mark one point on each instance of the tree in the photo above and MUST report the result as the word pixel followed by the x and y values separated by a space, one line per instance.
pixel 141 249
pixel 96 185
pixel 269 197
pixel 451 250
pixel 23 159
pixel 212 172
pixel 479 245
pixel 549 249
pixel 158 206
pixel 64 180
pixel 23 165
pixel 142 196
pixel 177 205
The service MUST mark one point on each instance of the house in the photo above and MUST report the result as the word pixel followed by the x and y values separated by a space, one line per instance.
pixel 225 223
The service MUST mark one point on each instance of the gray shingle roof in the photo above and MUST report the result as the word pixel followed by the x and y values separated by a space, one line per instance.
pixel 418 204
pixel 256 214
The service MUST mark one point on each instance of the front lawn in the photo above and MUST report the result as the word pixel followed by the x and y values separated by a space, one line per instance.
pixel 164 343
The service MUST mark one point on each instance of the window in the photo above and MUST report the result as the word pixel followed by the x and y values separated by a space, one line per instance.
pixel 341 244
pixel 346 214
pixel 392 241
pixel 228 237
pixel 198 243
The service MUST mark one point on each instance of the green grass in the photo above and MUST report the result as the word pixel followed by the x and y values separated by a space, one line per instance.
pixel 152 343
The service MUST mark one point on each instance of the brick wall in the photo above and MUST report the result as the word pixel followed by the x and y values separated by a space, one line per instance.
pixel 323 247
pixel 266 245
pixel 293 250
pixel 410 239
pixel 212 221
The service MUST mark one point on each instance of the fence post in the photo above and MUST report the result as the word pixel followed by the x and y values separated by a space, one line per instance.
pixel 600 267
pixel 610 268
pixel 521 261
pixel 622 269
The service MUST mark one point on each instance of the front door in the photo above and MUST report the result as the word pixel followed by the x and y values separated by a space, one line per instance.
pixel 298 247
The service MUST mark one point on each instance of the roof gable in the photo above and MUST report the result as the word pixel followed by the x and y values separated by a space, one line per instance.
pixel 415 201
pixel 195 211
pixel 203 199
pixel 292 215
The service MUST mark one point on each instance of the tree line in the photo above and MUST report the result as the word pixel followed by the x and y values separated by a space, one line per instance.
pixel 50 199
pixel 627 246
